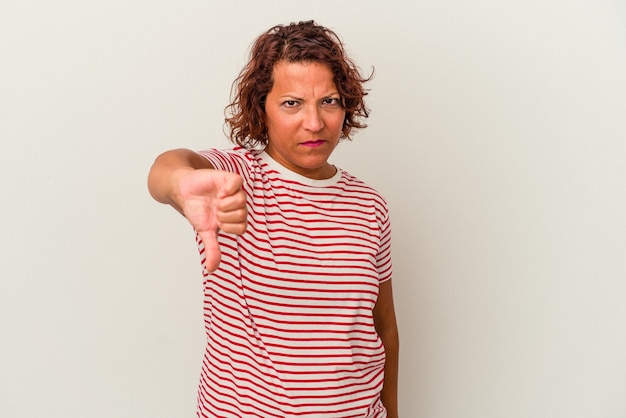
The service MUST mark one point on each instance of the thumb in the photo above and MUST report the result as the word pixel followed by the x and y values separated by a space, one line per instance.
pixel 212 253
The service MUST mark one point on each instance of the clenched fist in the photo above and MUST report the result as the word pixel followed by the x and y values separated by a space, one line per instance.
pixel 212 200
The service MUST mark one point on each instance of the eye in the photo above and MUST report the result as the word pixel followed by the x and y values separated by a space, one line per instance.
pixel 290 103
pixel 331 101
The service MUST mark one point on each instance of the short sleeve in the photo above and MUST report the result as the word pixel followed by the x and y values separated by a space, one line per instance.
pixel 383 258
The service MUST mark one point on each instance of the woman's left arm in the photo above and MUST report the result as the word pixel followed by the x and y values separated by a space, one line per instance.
pixel 387 329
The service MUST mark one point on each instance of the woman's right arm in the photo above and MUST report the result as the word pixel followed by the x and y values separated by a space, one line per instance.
pixel 210 199
pixel 166 172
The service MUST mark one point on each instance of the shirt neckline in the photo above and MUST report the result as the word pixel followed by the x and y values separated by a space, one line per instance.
pixel 287 174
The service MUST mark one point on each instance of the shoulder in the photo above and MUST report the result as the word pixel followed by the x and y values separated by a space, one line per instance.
pixel 236 159
pixel 364 195
pixel 352 184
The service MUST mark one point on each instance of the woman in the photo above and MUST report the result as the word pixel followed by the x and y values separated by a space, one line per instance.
pixel 297 261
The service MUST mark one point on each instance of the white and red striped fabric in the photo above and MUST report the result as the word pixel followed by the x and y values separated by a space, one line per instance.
pixel 288 314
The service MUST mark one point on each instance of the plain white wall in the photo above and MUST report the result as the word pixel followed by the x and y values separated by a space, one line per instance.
pixel 497 134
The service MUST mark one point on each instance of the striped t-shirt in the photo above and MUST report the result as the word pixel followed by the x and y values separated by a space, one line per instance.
pixel 288 313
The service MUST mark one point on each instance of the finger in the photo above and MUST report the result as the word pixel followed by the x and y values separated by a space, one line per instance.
pixel 236 228
pixel 232 184
pixel 212 251
pixel 233 216
pixel 233 202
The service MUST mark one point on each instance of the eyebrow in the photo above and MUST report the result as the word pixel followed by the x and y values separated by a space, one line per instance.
pixel 294 97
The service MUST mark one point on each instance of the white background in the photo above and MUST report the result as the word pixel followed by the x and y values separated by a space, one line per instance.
pixel 497 134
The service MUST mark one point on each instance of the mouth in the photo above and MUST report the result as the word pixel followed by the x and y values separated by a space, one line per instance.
pixel 313 144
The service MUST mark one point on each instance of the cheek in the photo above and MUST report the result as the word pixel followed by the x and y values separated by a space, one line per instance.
pixel 337 122
pixel 277 125
pixel 285 129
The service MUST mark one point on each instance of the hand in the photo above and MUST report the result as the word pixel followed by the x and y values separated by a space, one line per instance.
pixel 212 200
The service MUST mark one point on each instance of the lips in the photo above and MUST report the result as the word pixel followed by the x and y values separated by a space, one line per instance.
pixel 313 144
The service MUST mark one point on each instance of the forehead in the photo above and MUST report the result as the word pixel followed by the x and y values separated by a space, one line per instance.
pixel 302 76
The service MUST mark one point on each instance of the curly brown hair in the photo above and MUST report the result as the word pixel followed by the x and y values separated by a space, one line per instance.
pixel 296 42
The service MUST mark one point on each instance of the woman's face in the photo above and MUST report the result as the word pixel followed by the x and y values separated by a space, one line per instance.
pixel 304 118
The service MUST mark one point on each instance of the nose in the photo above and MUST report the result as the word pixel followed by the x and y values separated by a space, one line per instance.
pixel 313 120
